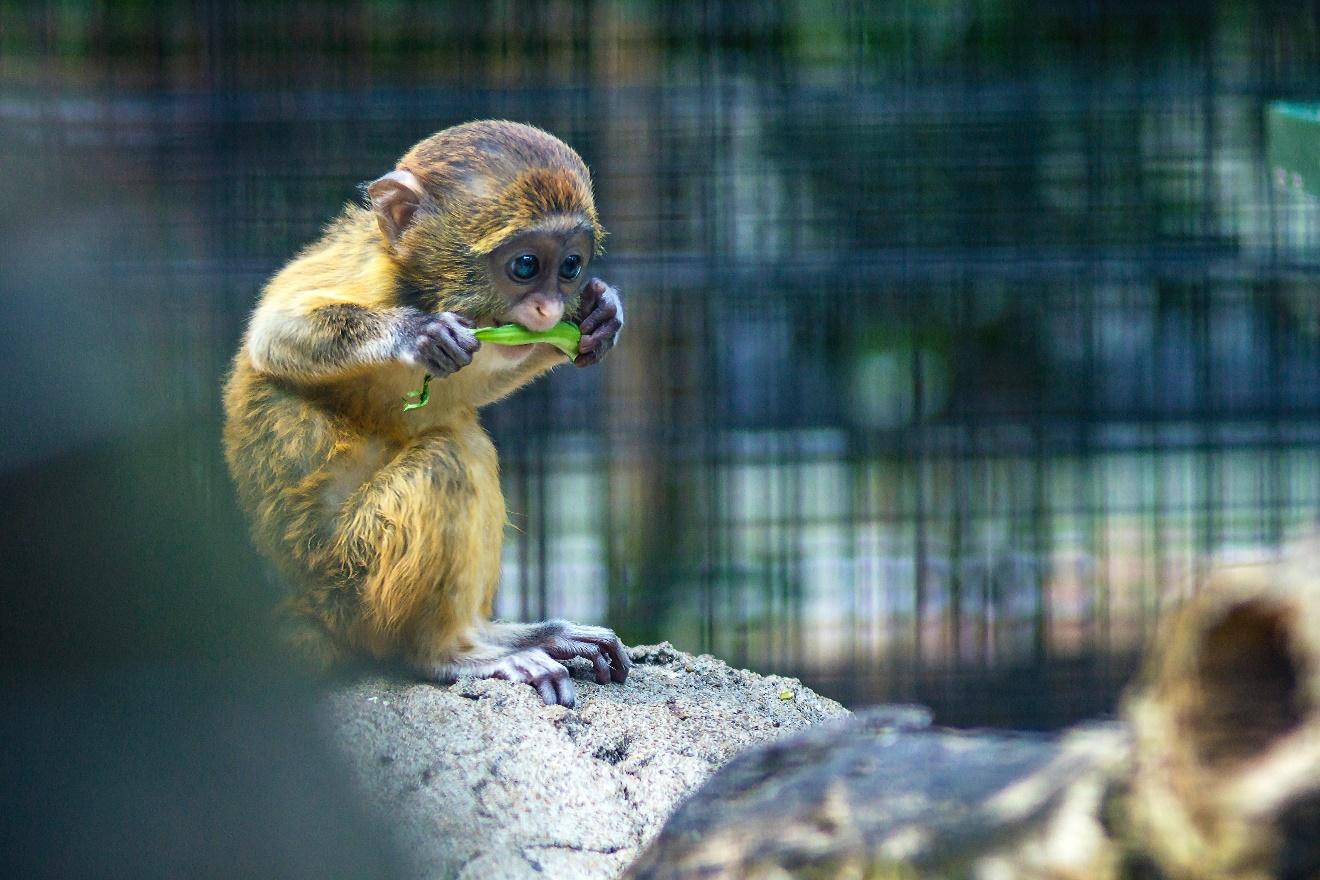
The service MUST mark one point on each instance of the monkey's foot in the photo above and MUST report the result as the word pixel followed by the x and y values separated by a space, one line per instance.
pixel 601 646
pixel 535 667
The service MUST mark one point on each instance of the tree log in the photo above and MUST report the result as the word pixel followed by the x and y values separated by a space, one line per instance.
pixel 1226 726
pixel 1213 772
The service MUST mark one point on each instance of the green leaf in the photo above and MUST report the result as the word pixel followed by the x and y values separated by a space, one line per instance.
pixel 422 394
pixel 563 336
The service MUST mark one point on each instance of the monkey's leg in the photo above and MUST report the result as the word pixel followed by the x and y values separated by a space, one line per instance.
pixel 425 531
pixel 422 536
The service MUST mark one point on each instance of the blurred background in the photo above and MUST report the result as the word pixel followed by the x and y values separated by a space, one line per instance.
pixel 961 333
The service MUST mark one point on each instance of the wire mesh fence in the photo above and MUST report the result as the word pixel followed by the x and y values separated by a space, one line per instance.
pixel 959 335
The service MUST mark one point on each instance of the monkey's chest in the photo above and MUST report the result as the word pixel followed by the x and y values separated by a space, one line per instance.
pixel 446 471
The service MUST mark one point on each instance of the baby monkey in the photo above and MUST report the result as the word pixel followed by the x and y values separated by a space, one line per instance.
pixel 388 524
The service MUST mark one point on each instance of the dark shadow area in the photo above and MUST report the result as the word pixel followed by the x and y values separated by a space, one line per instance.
pixel 1247 691
pixel 151 725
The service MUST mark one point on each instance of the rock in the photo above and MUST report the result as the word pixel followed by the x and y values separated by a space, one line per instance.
pixel 480 779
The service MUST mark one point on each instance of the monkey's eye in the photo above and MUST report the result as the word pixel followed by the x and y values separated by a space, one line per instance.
pixel 571 267
pixel 524 267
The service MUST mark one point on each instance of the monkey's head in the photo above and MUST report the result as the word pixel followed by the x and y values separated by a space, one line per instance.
pixel 493 220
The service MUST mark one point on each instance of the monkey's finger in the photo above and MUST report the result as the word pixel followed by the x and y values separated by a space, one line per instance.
pixel 605 310
pixel 451 320
pixel 597 347
pixel 466 340
pixel 547 691
pixel 601 340
pixel 427 340
pixel 535 674
pixel 620 664
pixel 456 331
pixel 440 367
pixel 593 290
pixel 589 347
pixel 605 644
pixel 437 358
pixel 587 358
pixel 556 676
pixel 464 343
pixel 591 651
pixel 548 677
pixel 588 299
pixel 603 672
pixel 566 691
pixel 459 355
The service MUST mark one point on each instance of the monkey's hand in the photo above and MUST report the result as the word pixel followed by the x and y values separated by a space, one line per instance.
pixel 440 344
pixel 564 641
pixel 601 319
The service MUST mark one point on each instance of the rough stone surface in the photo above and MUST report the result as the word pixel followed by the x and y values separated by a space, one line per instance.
pixel 480 779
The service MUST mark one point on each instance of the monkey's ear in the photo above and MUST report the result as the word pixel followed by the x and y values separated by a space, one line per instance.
pixel 395 199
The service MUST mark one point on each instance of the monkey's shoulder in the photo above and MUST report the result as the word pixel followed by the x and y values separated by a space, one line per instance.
pixel 346 265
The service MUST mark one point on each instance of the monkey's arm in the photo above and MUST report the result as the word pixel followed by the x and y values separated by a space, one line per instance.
pixel 312 341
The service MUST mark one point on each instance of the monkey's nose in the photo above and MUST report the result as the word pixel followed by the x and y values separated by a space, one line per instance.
pixel 542 314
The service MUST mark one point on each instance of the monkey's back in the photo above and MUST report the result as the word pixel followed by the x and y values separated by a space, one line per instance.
pixel 279 446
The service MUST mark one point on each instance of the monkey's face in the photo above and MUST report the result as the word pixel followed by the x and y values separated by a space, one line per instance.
pixel 492 220
pixel 539 275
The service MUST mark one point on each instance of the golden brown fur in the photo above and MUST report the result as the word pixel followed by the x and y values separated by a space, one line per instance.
pixel 388 524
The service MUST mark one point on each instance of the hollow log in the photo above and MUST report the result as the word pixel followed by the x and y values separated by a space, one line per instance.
pixel 1213 773
pixel 1226 728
